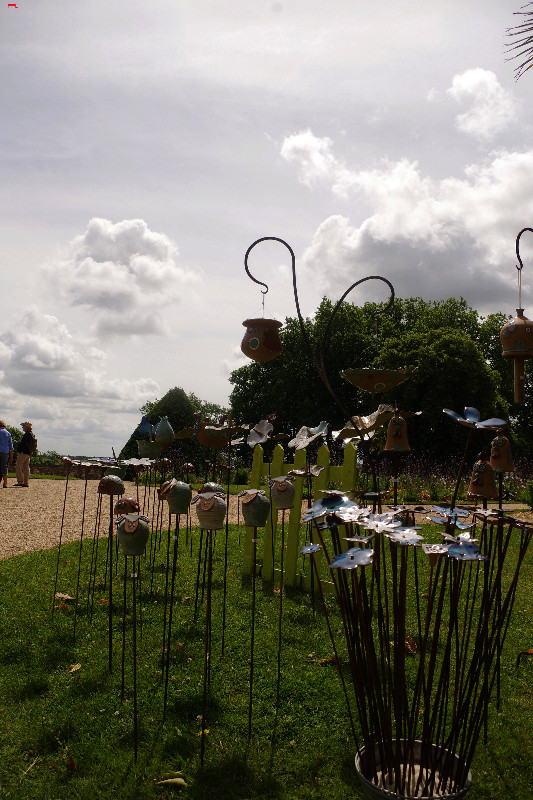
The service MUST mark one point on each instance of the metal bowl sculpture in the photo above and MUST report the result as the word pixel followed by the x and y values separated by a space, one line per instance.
pixel 133 531
pixel 126 505
pixel 255 507
pixel 282 492
pixel 210 510
pixel 261 341
pixel 517 335
pixel 377 380
pixel 111 484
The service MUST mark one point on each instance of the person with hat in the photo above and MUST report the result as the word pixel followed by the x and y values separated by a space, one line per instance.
pixel 6 452
pixel 27 446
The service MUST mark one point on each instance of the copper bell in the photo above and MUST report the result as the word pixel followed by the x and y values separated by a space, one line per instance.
pixel 517 341
pixel 482 483
pixel 397 441
pixel 500 454
pixel 261 341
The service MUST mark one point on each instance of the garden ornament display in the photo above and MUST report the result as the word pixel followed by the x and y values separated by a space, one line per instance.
pixel 366 426
pixel 501 459
pixel 133 531
pixel 482 483
pixel 472 421
pixel 126 505
pixel 282 492
pixel 420 720
pixel 255 507
pixel 178 496
pixel 517 335
pixel 210 510
pixel 261 341
pixel 377 380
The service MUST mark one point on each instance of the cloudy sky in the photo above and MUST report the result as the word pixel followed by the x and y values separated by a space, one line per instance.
pixel 145 146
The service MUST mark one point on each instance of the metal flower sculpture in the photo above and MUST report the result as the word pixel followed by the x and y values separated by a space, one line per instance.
pixel 471 419
pixel 334 501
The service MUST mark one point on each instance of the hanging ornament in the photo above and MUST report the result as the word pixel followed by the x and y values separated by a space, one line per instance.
pixel 500 454
pixel 482 483
pixel 261 341
pixel 517 335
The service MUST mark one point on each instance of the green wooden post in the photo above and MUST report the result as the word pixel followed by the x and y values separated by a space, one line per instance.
pixel 349 467
pixel 276 469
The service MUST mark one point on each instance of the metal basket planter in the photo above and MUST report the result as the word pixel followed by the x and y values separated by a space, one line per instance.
pixel 425 771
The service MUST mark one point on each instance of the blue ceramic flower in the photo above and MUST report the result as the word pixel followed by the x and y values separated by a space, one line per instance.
pixel 471 419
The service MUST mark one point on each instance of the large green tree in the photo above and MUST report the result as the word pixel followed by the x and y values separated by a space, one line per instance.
pixel 457 353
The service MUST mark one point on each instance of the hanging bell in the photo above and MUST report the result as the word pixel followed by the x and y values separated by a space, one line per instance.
pixel 500 454
pixel 397 441
pixel 482 483
pixel 261 341
pixel 517 341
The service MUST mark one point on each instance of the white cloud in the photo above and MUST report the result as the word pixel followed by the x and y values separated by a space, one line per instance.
pixel 124 273
pixel 435 238
pixel 41 358
pixel 312 155
pixel 493 107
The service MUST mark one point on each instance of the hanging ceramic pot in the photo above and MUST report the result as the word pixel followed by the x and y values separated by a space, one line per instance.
pixel 282 492
pixel 178 496
pixel 255 507
pixel 482 483
pixel 501 459
pixel 164 434
pixel 516 337
pixel 133 531
pixel 111 484
pixel 148 449
pixel 397 441
pixel 126 505
pixel 261 341
pixel 210 510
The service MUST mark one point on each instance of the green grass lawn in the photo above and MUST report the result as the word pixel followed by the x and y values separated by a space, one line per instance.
pixel 66 733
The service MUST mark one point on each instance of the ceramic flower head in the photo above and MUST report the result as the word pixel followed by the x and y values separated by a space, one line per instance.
pixel 466 551
pixel 471 419
pixel 307 436
pixel 264 432
pixel 310 549
pixel 352 559
pixel 366 426
pixel 333 501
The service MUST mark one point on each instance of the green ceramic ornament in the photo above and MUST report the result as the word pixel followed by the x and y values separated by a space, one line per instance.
pixel 133 531
pixel 255 507
pixel 148 449
pixel 111 484
pixel 178 496
pixel 210 510
pixel 164 434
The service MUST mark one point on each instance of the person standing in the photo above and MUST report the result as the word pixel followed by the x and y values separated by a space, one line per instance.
pixel 6 452
pixel 27 445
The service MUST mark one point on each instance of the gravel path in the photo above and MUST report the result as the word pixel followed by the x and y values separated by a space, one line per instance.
pixel 30 519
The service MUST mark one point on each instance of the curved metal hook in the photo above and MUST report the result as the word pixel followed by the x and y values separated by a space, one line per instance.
pixel 521 267
pixel 319 364
pixel 265 239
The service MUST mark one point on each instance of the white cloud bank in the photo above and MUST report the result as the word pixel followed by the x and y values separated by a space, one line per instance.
pixel 124 273
pixel 435 238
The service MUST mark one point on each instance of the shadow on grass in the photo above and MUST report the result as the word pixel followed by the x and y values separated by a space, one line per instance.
pixel 234 779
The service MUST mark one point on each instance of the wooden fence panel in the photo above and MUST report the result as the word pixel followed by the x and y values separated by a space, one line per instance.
pixel 344 475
